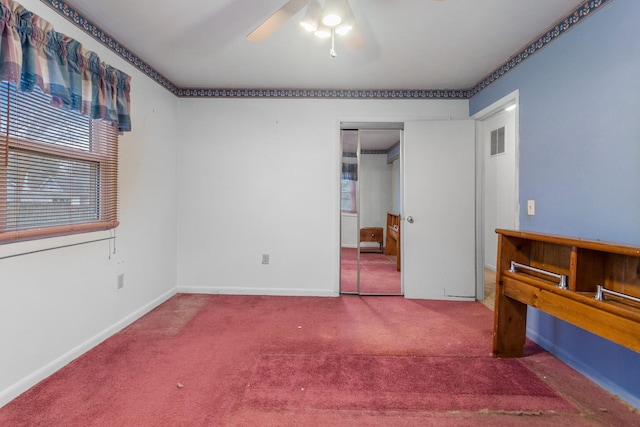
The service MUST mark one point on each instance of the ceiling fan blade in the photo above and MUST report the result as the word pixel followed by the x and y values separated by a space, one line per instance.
pixel 354 39
pixel 278 18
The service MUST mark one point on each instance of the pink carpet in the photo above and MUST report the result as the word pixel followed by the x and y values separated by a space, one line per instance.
pixel 337 381
pixel 217 360
pixel 378 273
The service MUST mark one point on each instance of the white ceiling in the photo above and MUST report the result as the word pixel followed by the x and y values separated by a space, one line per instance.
pixel 409 44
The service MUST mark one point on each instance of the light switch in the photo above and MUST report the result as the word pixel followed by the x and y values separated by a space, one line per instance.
pixel 531 207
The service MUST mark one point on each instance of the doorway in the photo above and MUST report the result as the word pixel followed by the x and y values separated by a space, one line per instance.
pixel 370 192
pixel 497 183
pixel 436 222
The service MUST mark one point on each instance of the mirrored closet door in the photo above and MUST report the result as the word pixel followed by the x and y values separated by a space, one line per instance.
pixel 370 202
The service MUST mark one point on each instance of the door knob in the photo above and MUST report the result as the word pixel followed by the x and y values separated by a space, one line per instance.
pixel 410 219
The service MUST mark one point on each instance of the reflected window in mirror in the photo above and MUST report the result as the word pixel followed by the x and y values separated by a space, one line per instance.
pixel 349 196
pixel 349 187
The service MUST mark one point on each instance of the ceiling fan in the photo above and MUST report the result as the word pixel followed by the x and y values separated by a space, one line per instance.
pixel 326 20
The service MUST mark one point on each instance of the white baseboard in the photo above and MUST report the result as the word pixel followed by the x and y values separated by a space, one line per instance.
pixel 257 291
pixel 441 298
pixel 15 390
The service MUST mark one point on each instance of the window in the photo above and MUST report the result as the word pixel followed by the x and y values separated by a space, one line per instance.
pixel 349 184
pixel 58 168
pixel 349 196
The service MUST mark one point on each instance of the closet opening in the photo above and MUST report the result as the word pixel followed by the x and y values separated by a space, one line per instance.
pixel 370 201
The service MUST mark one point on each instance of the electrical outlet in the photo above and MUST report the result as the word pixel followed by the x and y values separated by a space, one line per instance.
pixel 121 281
pixel 265 259
pixel 531 207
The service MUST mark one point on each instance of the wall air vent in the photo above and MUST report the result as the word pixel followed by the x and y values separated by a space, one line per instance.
pixel 497 141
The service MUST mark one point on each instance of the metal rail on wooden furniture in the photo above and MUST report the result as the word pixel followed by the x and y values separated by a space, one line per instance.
pixel 592 269
pixel 602 291
pixel 515 266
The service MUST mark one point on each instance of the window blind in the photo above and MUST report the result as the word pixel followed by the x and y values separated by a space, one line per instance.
pixel 58 170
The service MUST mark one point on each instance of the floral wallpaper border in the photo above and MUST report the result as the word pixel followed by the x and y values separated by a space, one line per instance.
pixel 576 16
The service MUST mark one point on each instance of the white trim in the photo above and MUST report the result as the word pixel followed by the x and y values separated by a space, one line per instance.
pixel 285 292
pixel 479 212
pixel 484 114
pixel 499 105
pixel 50 368
pixel 337 272
pixel 402 211
pixel 11 249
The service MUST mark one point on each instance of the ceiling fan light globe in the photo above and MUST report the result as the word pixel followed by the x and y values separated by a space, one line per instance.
pixel 334 12
pixel 323 32
pixel 343 29
pixel 331 20
pixel 308 26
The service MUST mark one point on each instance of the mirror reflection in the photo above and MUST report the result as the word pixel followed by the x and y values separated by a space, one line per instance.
pixel 370 202
pixel 349 213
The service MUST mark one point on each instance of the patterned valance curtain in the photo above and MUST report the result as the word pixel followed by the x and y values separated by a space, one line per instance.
pixel 33 54
pixel 350 171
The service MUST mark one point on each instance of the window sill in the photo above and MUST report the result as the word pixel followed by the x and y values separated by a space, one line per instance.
pixel 12 249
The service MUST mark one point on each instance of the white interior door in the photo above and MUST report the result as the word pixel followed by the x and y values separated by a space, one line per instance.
pixel 438 237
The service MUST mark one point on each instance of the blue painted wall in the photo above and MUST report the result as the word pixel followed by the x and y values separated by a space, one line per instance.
pixel 580 162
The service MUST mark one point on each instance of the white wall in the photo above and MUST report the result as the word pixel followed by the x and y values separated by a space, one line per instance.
pixel 375 192
pixel 374 181
pixel 56 304
pixel 396 196
pixel 262 176
pixel 349 230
